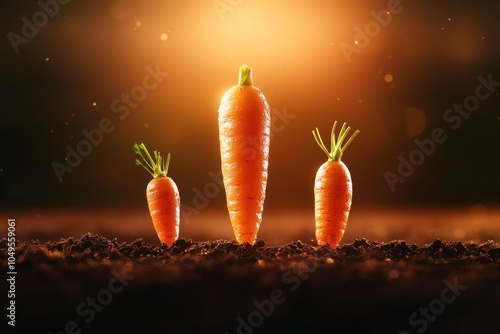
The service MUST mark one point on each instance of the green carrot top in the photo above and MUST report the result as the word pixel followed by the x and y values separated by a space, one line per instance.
pixel 337 149
pixel 245 76
pixel 158 167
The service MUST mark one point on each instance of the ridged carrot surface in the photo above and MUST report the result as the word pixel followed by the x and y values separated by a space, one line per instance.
pixel 163 203
pixel 244 135
pixel 162 195
pixel 332 190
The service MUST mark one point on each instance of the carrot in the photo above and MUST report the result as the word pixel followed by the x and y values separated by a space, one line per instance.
pixel 162 195
pixel 244 135
pixel 332 190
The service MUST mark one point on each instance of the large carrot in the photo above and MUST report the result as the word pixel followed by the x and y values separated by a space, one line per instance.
pixel 332 190
pixel 244 134
pixel 162 195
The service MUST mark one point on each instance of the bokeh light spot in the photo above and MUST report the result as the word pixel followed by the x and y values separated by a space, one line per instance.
pixel 394 273
pixel 415 121
pixel 388 78
pixel 478 210
pixel 164 37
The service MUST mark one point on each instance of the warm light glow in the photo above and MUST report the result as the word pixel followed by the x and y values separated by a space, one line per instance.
pixel 121 9
pixel 295 52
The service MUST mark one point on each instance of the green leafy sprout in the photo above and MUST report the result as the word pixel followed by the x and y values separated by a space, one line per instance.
pixel 157 167
pixel 335 154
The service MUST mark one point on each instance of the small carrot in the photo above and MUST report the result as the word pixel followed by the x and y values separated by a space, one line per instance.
pixel 244 134
pixel 332 190
pixel 162 195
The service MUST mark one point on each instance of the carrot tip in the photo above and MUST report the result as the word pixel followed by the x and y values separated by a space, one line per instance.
pixel 245 76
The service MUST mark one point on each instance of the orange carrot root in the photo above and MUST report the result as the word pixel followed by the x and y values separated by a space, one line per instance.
pixel 162 195
pixel 164 207
pixel 244 134
pixel 332 201
pixel 332 190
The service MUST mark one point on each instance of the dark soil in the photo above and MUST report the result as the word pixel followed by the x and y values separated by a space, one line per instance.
pixel 96 285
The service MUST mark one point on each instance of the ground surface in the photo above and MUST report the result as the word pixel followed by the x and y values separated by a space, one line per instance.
pixel 279 227
pixel 97 285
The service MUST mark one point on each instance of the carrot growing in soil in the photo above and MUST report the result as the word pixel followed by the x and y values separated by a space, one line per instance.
pixel 162 195
pixel 332 190
pixel 244 134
